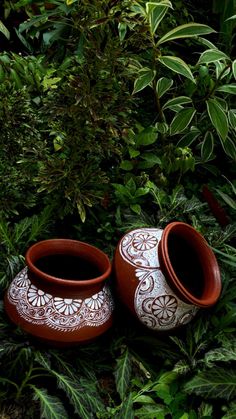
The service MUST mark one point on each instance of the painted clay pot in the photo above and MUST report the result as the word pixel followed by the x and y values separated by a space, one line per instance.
pixel 61 296
pixel 165 276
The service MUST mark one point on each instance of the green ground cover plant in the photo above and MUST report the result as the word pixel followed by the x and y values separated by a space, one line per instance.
pixel 115 115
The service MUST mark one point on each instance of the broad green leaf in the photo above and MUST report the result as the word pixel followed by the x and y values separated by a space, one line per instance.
pixel 131 186
pixel 229 147
pixel 141 192
pixel 151 157
pixel 177 65
pixel 215 383
pixel 145 77
pixel 181 121
pixel 180 100
pixel 133 152
pixel 123 373
pixel 207 43
pixel 163 85
pixel 144 399
pixel 212 55
pixel 152 411
pixel 207 146
pixel 51 407
pixel 126 165
pixel 4 30
pixel 122 28
pixel 189 138
pixel 228 88
pixel 234 68
pixel 136 208
pixel 146 137
pixel 222 70
pixel 232 118
pixel 187 30
pixel 218 118
pixel 156 12
pixel 232 203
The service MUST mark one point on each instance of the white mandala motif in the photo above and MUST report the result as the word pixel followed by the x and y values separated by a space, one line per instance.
pixel 155 303
pixel 64 314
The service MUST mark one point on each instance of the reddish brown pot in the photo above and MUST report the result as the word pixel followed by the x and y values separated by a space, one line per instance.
pixel 59 310
pixel 165 276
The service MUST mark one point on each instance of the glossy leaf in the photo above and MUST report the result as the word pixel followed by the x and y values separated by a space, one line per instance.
pixel 163 85
pixel 228 88
pixel 187 30
pixel 232 118
pixel 182 120
pixel 147 136
pixel 207 146
pixel 126 165
pixel 229 147
pixel 177 65
pixel 146 75
pixel 156 12
pixel 234 68
pixel 218 118
pixel 4 30
pixel 189 138
pixel 212 55
pixel 180 100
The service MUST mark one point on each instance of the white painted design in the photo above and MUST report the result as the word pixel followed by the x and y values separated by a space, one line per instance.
pixel 64 314
pixel 155 303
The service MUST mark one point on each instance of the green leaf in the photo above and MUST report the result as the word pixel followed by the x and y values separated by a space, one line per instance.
pixel 232 203
pixel 151 411
pixel 151 158
pixel 187 30
pixel 126 411
pixel 131 186
pixel 163 85
pixel 232 118
pixel 230 411
pixel 136 208
pixel 234 68
pixel 225 353
pixel 4 30
pixel 212 55
pixel 51 407
pixel 126 165
pixel 162 127
pixel 189 138
pixel 180 100
pixel 215 383
pixel 229 147
pixel 231 18
pixel 227 88
pixel 177 65
pixel 146 137
pixel 145 77
pixel 156 12
pixel 181 121
pixel 207 146
pixel 123 373
pixel 218 118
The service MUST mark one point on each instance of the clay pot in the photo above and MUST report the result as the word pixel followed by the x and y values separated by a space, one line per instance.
pixel 165 276
pixel 61 296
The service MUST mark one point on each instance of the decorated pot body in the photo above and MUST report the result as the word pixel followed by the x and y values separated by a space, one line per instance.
pixel 58 310
pixel 164 276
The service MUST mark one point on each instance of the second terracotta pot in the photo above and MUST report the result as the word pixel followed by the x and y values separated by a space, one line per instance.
pixel 165 276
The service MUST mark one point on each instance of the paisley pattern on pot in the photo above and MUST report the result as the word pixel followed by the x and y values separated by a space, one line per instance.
pixel 155 303
pixel 64 314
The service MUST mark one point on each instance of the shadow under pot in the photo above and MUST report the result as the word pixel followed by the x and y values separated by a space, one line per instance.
pixel 165 276
pixel 61 296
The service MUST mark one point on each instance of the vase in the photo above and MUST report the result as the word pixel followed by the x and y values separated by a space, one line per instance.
pixel 62 296
pixel 165 276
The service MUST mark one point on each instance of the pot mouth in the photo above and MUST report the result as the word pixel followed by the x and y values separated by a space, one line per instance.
pixel 59 249
pixel 190 264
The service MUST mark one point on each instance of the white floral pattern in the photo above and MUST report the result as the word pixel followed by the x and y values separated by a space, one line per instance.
pixel 37 297
pixel 144 241
pixel 95 302
pixel 164 306
pixel 63 314
pixel 67 306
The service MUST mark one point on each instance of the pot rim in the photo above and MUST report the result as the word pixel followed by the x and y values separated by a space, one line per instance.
pixel 212 279
pixel 50 245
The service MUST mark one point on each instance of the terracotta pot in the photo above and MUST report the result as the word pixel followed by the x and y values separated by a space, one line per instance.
pixel 165 276
pixel 43 302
